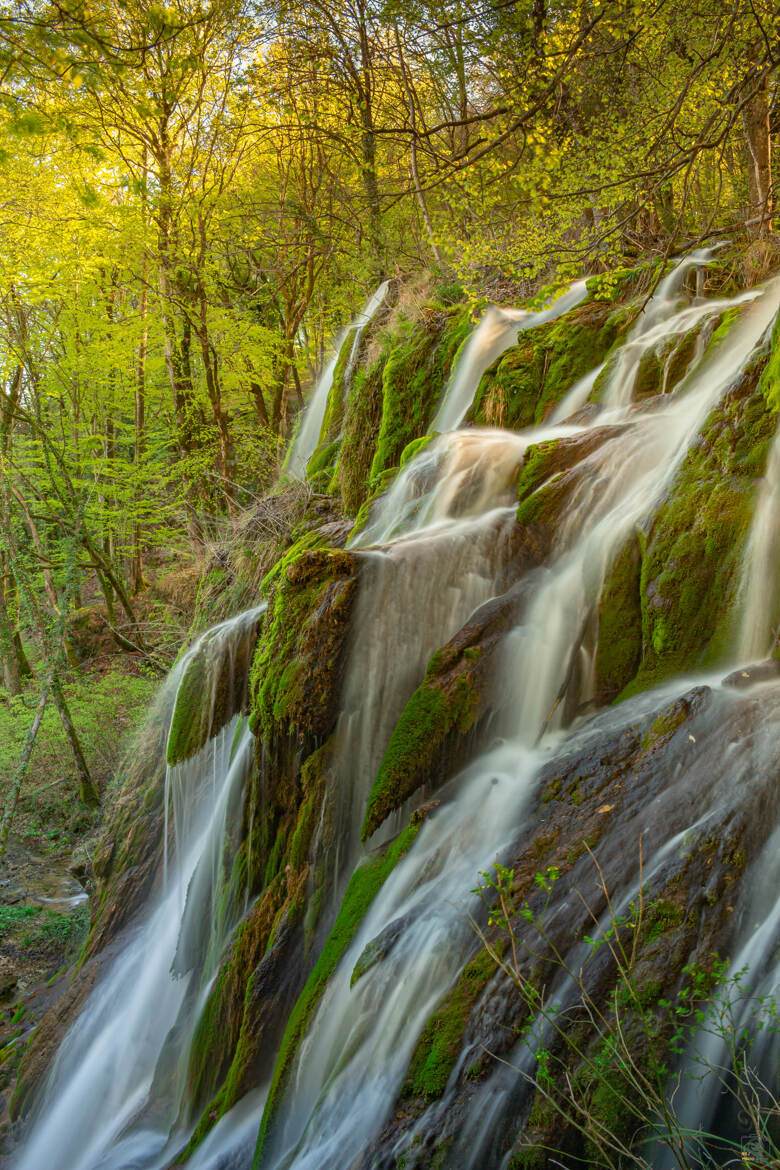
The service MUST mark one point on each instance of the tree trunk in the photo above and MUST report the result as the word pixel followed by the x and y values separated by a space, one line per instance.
pixel 87 791
pixel 755 119
pixel 21 768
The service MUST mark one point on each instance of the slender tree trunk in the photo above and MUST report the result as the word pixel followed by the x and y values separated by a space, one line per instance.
pixel 758 137
pixel 139 445
pixel 413 151
pixel 87 791
pixel 11 672
pixel 259 401
pixel 12 799
pixel 139 434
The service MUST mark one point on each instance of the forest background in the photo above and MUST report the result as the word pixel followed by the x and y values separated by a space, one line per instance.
pixel 194 197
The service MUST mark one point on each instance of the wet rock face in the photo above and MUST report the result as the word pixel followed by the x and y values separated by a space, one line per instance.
pixel 524 385
pixel 298 665
pixel 440 724
pixel 642 790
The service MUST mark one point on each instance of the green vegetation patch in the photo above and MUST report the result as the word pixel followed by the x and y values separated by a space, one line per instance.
pixel 619 650
pixel 295 668
pixel 691 557
pixel 439 1044
pixel 525 383
pixel 364 885
pixel 430 714
pixel 413 379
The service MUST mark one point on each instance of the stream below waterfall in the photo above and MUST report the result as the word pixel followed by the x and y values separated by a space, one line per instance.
pixel 434 549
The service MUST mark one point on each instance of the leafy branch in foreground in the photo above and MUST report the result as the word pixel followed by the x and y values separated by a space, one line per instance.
pixel 613 1073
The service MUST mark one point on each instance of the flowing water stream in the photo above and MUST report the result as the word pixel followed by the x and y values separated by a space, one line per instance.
pixel 308 436
pixel 352 1064
pixel 497 330
pixel 97 1108
pixel 434 549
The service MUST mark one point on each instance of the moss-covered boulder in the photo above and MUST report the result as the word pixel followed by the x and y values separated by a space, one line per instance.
pixel 553 472
pixel 629 969
pixel 296 672
pixel 363 887
pixel 619 648
pixel 394 393
pixel 523 386
pixel 212 688
pixel 413 379
pixel 691 555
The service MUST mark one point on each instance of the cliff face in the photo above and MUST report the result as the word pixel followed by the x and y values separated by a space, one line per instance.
pixel 440 591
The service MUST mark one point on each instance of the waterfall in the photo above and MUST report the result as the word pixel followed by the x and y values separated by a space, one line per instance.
pixel 348 1071
pixel 309 432
pixel 759 586
pixel 496 331
pixel 459 476
pixel 663 319
pixel 435 547
pixel 133 1030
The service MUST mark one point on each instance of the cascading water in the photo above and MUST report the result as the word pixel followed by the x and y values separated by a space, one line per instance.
pixel 349 1069
pixel 496 331
pixel 433 549
pixel 759 589
pixel 98 1108
pixel 309 433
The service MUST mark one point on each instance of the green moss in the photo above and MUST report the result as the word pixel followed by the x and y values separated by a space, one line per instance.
pixel 430 714
pixel 413 378
pixel 292 670
pixel 664 725
pixel 411 450
pixel 323 459
pixel 439 1045
pixel 363 887
pixel 391 401
pixel 661 915
pixel 532 377
pixel 691 558
pixel 191 719
pixel 528 1158
pixel 333 418
pixel 619 650
pixel 361 430
pixel 769 382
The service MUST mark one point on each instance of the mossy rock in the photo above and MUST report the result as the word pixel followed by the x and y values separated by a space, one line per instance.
pixel 552 473
pixel 523 386
pixel 619 649
pixel 363 887
pixel 413 379
pixel 213 688
pixel 439 1045
pixel 361 430
pixel 436 724
pixel 392 399
pixel 296 672
pixel 691 556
